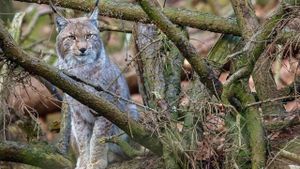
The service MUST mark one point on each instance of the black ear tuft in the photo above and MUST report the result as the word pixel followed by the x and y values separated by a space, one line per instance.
pixel 61 23
pixel 94 15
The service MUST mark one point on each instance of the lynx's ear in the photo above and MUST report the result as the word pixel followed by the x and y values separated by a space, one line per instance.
pixel 94 15
pixel 61 23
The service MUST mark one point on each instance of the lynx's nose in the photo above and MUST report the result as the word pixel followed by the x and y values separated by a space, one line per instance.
pixel 82 50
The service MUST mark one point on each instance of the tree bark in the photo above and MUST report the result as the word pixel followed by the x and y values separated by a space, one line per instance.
pixel 200 65
pixel 131 12
pixel 248 23
pixel 266 87
pixel 159 69
pixel 43 156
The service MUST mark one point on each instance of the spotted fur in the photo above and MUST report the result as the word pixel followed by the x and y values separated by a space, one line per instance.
pixel 81 53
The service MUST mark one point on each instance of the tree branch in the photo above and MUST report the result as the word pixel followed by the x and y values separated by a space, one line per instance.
pixel 290 156
pixel 256 44
pixel 104 108
pixel 248 23
pixel 156 76
pixel 43 156
pixel 246 17
pixel 187 50
pixel 131 12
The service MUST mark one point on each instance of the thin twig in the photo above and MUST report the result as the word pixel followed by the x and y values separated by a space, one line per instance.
pixel 272 100
pixel 99 88
pixel 133 59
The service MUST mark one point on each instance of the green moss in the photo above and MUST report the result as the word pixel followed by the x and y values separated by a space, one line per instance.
pixel 39 154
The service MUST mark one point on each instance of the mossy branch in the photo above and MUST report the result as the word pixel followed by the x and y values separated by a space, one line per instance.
pixel 159 79
pixel 187 50
pixel 131 12
pixel 253 121
pixel 248 23
pixel 290 156
pixel 246 17
pixel 257 43
pixel 39 155
pixel 130 151
pixel 104 108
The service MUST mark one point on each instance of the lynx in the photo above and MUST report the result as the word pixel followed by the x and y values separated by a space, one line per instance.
pixel 82 54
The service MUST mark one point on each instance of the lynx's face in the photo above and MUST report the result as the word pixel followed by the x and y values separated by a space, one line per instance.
pixel 79 40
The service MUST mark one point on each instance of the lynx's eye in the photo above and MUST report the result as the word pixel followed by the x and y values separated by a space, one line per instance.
pixel 90 36
pixel 72 37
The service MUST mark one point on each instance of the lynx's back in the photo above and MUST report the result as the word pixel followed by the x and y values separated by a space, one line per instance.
pixel 82 54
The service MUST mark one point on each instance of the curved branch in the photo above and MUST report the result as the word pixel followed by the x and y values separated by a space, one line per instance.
pixel 131 12
pixel 43 156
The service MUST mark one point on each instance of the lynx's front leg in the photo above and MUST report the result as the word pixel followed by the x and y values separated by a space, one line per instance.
pixel 98 151
pixel 82 123
pixel 82 133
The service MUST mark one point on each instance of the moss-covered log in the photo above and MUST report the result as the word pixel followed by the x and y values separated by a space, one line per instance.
pixel 40 155
pixel 104 108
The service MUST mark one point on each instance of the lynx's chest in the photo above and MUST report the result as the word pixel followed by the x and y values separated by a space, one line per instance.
pixel 89 69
